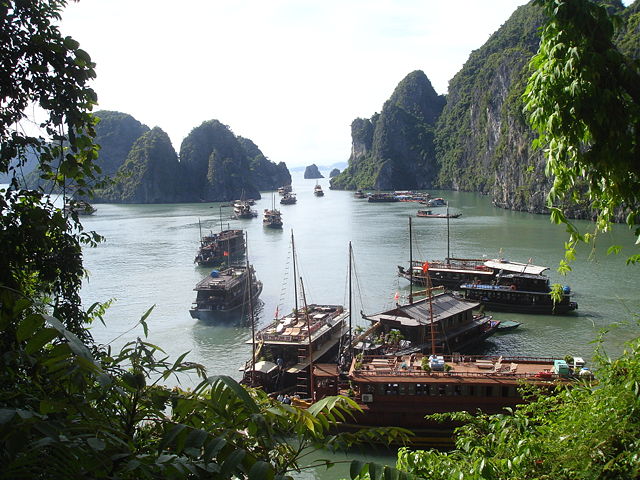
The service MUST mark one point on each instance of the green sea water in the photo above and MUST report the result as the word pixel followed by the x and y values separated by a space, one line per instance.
pixel 147 260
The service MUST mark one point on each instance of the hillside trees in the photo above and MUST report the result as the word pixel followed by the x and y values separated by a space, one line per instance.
pixel 583 99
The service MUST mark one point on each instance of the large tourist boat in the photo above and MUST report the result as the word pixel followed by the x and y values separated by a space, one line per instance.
pixel 221 248
pixel 453 272
pixel 400 391
pixel 317 190
pixel 224 293
pixel 520 292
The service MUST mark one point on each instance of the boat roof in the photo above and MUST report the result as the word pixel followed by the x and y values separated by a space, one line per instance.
pixel 264 366
pixel 223 279
pixel 444 305
pixel 499 264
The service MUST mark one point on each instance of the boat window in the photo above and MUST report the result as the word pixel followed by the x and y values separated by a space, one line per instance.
pixel 489 391
pixel 433 389
pixel 457 390
pixel 442 390
pixel 505 391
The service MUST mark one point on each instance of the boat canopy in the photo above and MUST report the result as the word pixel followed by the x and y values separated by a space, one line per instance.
pixel 444 306
pixel 515 267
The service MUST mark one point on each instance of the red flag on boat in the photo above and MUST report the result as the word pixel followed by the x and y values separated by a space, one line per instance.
pixel 396 296
pixel 425 267
pixel 277 309
pixel 225 253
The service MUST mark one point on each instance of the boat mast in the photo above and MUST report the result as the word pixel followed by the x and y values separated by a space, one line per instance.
pixel 350 303
pixel 306 314
pixel 295 281
pixel 251 318
pixel 410 262
pixel 433 337
pixel 200 228
pixel 448 254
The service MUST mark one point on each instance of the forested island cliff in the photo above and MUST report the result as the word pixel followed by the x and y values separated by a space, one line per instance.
pixel 477 137
pixel 213 165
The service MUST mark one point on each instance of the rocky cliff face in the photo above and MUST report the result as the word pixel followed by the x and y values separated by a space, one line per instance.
pixel 116 133
pixel 215 165
pixel 311 171
pixel 483 142
pixel 150 174
pixel 395 149
pixel 265 174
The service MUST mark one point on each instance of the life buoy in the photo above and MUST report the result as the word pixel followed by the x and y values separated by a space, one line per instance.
pixel 513 287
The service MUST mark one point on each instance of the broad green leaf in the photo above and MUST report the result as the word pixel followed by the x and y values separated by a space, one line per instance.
pixel 28 326
pixel 261 471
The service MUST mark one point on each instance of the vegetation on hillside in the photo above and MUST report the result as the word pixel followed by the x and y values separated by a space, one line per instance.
pixel 583 99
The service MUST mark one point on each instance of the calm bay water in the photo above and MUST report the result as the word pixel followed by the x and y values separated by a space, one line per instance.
pixel 147 259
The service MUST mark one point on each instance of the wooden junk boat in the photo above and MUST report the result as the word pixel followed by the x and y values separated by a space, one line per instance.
pixel 284 189
pixel 399 391
pixel 79 207
pixel 242 209
pixel 441 322
pixel 220 248
pixel 288 199
pixel 225 292
pixel 317 190
pixel 284 352
pixel 520 292
pixel 285 349
pixel 272 218
pixel 430 214
pixel 454 272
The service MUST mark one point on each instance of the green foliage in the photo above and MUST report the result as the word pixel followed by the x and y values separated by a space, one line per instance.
pixel 583 99
pixel 484 103
pixel 40 247
pixel 590 431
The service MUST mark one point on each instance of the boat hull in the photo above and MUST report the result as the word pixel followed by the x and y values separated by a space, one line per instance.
pixel 226 312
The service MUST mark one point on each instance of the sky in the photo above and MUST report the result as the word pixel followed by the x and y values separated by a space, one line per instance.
pixel 291 75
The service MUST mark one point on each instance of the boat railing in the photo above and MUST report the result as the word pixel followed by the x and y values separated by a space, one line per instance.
pixel 414 372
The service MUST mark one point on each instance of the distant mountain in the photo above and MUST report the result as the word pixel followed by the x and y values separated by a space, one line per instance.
pixel 312 172
pixel 214 164
pixel 395 149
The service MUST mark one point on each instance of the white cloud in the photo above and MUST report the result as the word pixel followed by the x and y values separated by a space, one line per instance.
pixel 289 74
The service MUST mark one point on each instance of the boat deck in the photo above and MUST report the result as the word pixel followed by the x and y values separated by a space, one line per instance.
pixel 225 279
pixel 408 368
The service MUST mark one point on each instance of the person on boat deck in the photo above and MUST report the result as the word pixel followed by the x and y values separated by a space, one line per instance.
pixel 280 362
pixel 286 400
